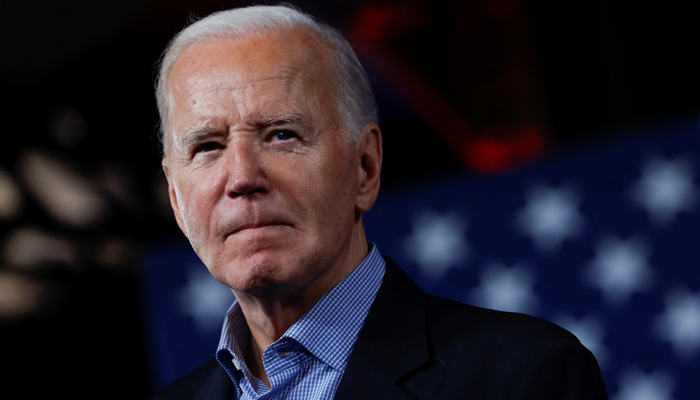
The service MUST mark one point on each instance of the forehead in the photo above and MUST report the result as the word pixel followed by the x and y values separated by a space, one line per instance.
pixel 267 54
pixel 289 63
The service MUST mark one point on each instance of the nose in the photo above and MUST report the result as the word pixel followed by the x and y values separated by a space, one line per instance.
pixel 246 175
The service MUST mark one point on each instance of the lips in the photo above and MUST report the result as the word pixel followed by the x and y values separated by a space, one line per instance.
pixel 257 225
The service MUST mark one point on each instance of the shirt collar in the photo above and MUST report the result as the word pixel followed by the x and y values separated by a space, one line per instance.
pixel 330 328
pixel 235 335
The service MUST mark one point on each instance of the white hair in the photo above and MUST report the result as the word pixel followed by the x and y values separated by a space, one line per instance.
pixel 355 101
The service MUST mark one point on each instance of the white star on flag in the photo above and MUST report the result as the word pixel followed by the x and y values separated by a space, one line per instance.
pixel 665 189
pixel 636 385
pixel 506 289
pixel 550 216
pixel 680 322
pixel 204 299
pixel 437 243
pixel 589 330
pixel 620 268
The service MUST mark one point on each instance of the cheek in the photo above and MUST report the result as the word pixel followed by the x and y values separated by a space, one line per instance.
pixel 195 201
pixel 335 190
pixel 187 212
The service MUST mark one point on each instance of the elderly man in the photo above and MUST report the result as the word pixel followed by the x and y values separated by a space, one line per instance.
pixel 272 154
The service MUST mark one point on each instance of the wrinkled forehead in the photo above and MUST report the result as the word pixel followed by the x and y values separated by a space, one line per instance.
pixel 297 55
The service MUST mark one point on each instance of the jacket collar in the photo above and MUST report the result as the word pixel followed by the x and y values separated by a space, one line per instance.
pixel 392 343
pixel 218 386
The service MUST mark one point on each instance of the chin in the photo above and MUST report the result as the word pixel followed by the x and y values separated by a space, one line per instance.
pixel 256 276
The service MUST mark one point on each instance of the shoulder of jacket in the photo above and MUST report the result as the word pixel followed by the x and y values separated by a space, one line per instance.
pixel 459 320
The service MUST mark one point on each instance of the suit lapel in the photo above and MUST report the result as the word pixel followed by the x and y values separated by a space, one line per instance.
pixel 362 380
pixel 217 387
pixel 392 343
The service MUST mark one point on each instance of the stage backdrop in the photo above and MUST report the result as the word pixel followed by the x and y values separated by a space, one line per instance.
pixel 604 242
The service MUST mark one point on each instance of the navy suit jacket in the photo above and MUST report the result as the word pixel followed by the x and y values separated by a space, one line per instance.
pixel 418 346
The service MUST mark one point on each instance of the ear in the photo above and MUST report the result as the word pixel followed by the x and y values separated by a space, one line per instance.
pixel 370 168
pixel 173 196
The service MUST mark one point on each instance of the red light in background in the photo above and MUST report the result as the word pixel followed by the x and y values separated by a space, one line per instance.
pixel 502 149
pixel 497 148
pixel 375 24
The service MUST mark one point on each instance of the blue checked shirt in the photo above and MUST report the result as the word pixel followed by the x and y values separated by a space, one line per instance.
pixel 308 361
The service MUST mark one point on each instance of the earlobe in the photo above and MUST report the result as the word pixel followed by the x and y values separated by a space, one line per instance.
pixel 172 194
pixel 370 152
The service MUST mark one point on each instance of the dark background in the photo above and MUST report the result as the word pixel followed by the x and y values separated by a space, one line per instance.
pixel 464 87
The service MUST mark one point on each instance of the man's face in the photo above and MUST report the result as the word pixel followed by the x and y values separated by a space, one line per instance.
pixel 262 180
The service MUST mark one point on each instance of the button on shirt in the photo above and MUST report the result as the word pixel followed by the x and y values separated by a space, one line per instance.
pixel 308 361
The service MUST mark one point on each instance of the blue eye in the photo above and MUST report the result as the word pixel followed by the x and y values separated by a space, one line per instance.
pixel 283 135
pixel 209 146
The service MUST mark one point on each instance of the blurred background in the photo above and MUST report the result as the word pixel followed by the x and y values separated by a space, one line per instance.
pixel 544 154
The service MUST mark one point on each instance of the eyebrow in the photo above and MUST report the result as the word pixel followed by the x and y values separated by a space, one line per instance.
pixel 290 118
pixel 199 135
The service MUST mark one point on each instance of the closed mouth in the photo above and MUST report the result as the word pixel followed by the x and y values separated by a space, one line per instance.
pixel 258 226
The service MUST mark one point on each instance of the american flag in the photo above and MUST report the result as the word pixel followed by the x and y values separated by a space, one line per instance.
pixel 603 242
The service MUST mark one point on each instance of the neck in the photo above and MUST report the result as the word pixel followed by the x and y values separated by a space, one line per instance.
pixel 269 317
